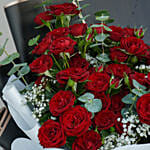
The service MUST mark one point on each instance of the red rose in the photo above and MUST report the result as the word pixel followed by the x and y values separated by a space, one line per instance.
pixel 43 45
pixel 118 70
pixel 60 102
pixel 43 16
pixel 76 74
pixel 106 102
pixel 62 44
pixel 51 135
pixel 41 64
pixel 116 54
pixel 116 34
pixel 76 121
pixel 143 108
pixel 116 103
pixel 133 46
pixel 104 119
pixel 66 9
pixel 98 82
pixel 60 32
pixel 139 77
pixel 148 79
pixel 78 29
pixel 91 140
pixel 129 32
pixel 78 62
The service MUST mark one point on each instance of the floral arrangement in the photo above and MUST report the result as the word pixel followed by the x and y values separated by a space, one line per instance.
pixel 93 82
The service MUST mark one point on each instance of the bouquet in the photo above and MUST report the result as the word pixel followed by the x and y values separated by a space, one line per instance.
pixel 93 82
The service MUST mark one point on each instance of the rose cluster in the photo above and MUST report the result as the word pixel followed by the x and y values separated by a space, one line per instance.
pixel 86 100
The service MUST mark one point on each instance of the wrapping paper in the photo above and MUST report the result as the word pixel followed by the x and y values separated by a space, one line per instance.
pixel 19 109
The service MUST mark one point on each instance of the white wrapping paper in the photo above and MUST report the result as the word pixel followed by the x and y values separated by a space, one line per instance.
pixel 26 144
pixel 134 147
pixel 19 110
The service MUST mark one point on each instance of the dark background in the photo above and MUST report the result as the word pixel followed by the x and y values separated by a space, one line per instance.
pixel 20 18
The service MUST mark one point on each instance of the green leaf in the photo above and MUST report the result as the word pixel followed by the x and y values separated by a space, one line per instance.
pixel 138 85
pixel 87 96
pixel 84 18
pixel 126 80
pixel 128 99
pixel 34 41
pixel 29 87
pixel 102 13
pixel 13 70
pixel 139 92
pixel 109 21
pixel 124 111
pixel 94 105
pixel 84 6
pixel 21 64
pixel 24 70
pixel 9 59
pixel 102 18
pixel 2 49
pixel 107 28
pixel 96 25
pixel 94 45
pixel 103 58
pixel 0 33
pixel 101 37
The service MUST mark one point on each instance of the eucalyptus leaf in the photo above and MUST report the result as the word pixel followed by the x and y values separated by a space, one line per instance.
pixel 102 18
pixel 34 41
pixel 94 105
pixel 102 13
pixel 87 96
pixel 13 70
pixel 96 25
pixel 21 64
pixel 101 37
pixel 124 111
pixel 10 58
pixel 84 6
pixel 103 58
pixel 128 99
pixel 1 51
pixel 138 85
pixel 84 18
pixel 139 92
pixel 94 45
pixel 24 70
pixel 107 28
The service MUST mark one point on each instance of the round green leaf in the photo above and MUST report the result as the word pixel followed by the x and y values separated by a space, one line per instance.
pixel 24 70
pixel 101 37
pixel 128 99
pixel 87 96
pixel 9 59
pixel 103 58
pixel 94 106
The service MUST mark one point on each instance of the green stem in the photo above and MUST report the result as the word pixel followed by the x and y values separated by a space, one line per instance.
pixel 56 62
pixel 84 51
pixel 66 61
pixel 18 70
pixel 62 20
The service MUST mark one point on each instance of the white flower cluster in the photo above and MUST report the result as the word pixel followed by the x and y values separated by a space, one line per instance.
pixel 143 67
pixel 133 131
pixel 37 98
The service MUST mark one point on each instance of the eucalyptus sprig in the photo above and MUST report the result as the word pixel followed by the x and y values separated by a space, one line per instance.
pixel 21 69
